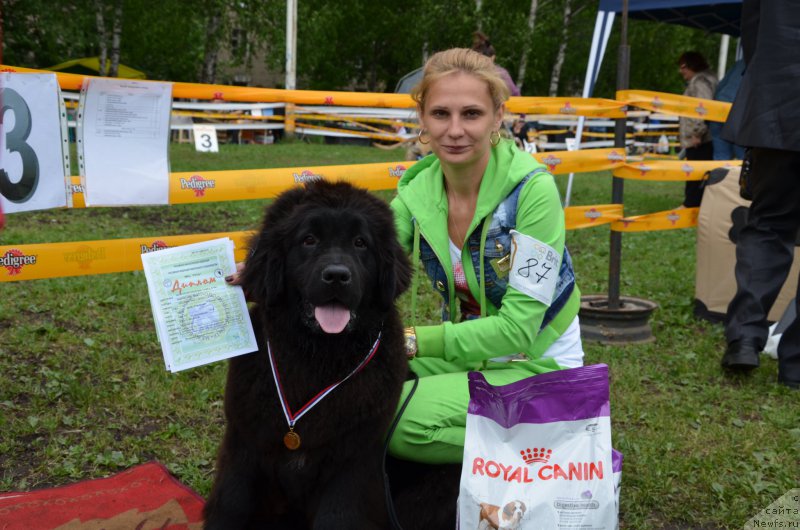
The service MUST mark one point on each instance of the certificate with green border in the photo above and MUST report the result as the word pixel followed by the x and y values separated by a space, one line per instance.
pixel 199 318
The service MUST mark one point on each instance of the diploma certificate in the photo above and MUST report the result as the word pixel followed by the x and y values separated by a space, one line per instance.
pixel 199 318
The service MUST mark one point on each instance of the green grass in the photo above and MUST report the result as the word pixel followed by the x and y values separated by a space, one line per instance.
pixel 84 392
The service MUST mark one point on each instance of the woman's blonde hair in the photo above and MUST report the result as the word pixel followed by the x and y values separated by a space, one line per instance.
pixel 464 60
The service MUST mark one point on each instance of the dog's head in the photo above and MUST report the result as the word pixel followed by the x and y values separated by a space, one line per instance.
pixel 332 248
pixel 512 514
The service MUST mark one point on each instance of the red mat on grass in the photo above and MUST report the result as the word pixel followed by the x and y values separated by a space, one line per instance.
pixel 145 497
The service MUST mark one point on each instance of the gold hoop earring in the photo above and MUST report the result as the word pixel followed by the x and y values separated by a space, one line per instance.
pixel 419 137
pixel 494 141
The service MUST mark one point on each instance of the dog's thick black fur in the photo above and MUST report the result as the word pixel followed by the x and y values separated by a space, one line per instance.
pixel 327 245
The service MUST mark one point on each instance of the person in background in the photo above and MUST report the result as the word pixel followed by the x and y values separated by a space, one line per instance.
pixel 726 91
pixel 481 44
pixel 695 137
pixel 485 221
pixel 764 118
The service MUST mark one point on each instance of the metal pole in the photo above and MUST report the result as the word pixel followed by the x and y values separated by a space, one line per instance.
pixel 623 81
pixel 291 63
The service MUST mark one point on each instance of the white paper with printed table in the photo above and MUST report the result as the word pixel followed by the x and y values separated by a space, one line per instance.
pixel 199 318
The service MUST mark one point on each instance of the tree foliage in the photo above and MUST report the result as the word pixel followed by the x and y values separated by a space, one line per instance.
pixel 349 44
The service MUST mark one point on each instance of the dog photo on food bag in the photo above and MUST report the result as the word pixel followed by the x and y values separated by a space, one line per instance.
pixel 307 414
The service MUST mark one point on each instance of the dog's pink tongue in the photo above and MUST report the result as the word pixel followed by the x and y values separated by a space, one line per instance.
pixel 332 318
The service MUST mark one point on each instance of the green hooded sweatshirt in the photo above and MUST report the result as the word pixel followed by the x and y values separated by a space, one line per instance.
pixel 514 328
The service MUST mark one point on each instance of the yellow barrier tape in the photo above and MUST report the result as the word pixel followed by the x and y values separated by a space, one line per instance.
pixel 82 258
pixel 245 184
pixel 676 105
pixel 563 162
pixel 591 107
pixel 587 216
pixel 671 170
pixel 223 116
pixel 666 220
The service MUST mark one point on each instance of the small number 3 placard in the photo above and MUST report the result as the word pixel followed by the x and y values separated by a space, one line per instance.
pixel 205 138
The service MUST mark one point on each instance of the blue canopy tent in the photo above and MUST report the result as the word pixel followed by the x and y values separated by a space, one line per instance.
pixel 716 16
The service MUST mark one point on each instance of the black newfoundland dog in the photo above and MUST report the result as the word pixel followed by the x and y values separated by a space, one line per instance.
pixel 324 274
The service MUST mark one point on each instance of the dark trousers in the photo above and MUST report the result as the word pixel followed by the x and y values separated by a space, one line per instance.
pixel 764 254
pixel 693 192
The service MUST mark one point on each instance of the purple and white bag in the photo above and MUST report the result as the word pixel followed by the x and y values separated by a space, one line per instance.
pixel 538 454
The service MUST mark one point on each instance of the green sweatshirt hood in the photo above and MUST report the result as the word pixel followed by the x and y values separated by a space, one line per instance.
pixel 422 185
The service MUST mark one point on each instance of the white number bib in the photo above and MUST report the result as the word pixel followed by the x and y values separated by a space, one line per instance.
pixel 534 267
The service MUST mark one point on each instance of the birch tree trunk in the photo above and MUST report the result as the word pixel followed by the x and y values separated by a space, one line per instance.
pixel 101 36
pixel 562 49
pixel 116 37
pixel 526 44
pixel 478 16
pixel 209 73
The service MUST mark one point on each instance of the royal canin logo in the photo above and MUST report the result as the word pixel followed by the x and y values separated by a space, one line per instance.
pixel 154 247
pixel 14 260
pixel 329 100
pixel 568 109
pixel 7 69
pixel 551 161
pixel 686 168
pixel 397 171
pixel 198 184
pixel 219 95
pixel 613 156
pixel 644 168
pixel 76 188
pixel 536 455
pixel 673 217
pixel 570 471
pixel 306 176
pixel 657 103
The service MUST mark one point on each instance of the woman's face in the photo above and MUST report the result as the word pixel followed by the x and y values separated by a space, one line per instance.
pixel 459 116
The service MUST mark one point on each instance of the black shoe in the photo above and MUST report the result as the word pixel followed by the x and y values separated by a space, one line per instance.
pixel 789 376
pixel 742 355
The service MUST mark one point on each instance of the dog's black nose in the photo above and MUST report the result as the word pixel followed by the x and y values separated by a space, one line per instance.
pixel 336 274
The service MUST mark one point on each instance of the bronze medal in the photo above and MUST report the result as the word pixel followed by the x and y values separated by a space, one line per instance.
pixel 291 440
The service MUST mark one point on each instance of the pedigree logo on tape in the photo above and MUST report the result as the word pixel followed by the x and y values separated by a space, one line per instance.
pixel 397 171
pixel 153 247
pixel 14 259
pixel 306 176
pixel 198 184
pixel 84 256
pixel 614 156
pixel 551 162
pixel 568 109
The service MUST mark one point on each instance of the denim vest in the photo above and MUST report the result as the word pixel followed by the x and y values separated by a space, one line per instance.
pixel 497 254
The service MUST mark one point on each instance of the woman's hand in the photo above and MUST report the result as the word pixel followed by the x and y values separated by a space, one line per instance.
pixel 236 277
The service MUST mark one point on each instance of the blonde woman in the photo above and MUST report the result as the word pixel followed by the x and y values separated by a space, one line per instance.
pixel 485 219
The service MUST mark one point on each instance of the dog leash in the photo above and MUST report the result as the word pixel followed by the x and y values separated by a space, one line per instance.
pixel 387 488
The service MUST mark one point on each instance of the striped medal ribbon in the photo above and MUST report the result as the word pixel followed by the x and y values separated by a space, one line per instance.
pixel 292 440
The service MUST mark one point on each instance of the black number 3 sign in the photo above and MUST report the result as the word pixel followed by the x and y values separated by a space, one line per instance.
pixel 23 189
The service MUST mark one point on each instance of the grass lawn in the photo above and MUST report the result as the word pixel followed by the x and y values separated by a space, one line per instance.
pixel 84 392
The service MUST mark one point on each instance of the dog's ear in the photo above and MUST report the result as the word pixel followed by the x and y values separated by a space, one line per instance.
pixel 264 273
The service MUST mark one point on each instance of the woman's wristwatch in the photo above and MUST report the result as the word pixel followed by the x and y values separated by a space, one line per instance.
pixel 411 342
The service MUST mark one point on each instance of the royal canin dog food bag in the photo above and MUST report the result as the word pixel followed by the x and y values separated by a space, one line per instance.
pixel 538 454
